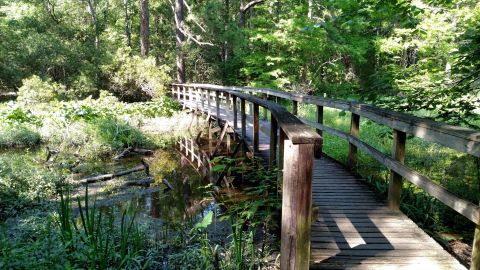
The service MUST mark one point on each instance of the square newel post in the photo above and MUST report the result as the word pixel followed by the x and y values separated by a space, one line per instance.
pixel 352 149
pixel 256 126
pixel 244 124
pixel 235 113
pixel 217 105
pixel 395 184
pixel 273 141
pixel 294 107
pixel 296 206
pixel 318 145
pixel 202 96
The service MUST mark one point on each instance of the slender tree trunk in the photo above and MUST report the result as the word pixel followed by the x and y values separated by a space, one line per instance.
pixel 93 13
pixel 180 38
pixel 241 17
pixel 128 24
pixel 144 28
pixel 310 9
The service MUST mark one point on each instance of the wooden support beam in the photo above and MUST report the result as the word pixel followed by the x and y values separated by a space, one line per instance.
pixel 395 185
pixel 256 128
pixel 217 105
pixel 220 139
pixel 296 206
pixel 352 149
pixel 235 113
pixel 294 107
pixel 273 141
pixel 318 144
pixel 244 124
pixel 202 93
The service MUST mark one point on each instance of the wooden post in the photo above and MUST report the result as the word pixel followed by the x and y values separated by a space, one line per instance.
pixel 296 206
pixel 352 149
pixel 294 107
pixel 227 107
pixel 318 145
pixel 395 185
pixel 202 95
pixel 217 105
pixel 235 124
pixel 184 97
pixel 281 148
pixel 210 138
pixel 190 97
pixel 244 124
pixel 475 263
pixel 178 92
pixel 273 140
pixel 256 127
pixel 208 102
pixel 265 111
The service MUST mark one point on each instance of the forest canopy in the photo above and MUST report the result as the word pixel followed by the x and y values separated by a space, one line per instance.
pixel 421 57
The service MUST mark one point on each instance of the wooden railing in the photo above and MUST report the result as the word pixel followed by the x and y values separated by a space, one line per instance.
pixel 458 138
pixel 198 158
pixel 295 144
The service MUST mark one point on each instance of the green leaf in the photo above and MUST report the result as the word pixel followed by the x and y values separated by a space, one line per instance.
pixel 207 220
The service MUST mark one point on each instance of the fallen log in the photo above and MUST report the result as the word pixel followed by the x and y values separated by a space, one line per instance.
pixel 105 177
pixel 164 181
pixel 140 183
pixel 133 150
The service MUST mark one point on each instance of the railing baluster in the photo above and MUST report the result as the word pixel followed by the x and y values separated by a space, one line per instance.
pixel 273 140
pixel 202 93
pixel 318 146
pixel 209 102
pixel 235 124
pixel 296 205
pixel 256 127
pixel 265 110
pixel 217 105
pixel 227 109
pixel 294 107
pixel 352 149
pixel 281 144
pixel 244 124
pixel 184 97
pixel 395 185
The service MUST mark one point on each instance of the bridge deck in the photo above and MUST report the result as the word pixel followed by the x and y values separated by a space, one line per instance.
pixel 354 228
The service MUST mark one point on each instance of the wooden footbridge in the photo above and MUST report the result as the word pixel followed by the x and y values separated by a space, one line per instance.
pixel 355 229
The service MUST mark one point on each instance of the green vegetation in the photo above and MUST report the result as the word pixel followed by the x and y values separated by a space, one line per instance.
pixel 90 80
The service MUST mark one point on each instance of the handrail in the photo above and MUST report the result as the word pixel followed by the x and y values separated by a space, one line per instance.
pixel 296 131
pixel 462 139
pixel 295 158
pixel 458 138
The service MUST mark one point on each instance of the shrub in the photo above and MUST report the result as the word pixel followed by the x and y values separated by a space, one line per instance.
pixel 117 134
pixel 35 90
pixel 18 136
pixel 134 78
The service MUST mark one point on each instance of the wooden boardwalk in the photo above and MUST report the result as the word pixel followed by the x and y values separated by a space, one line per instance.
pixel 354 228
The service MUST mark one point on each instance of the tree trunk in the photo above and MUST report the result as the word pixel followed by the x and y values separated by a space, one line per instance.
pixel 93 13
pixel 180 38
pixel 128 24
pixel 144 28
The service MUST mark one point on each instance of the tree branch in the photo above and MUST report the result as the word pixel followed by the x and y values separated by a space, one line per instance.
pixel 251 4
